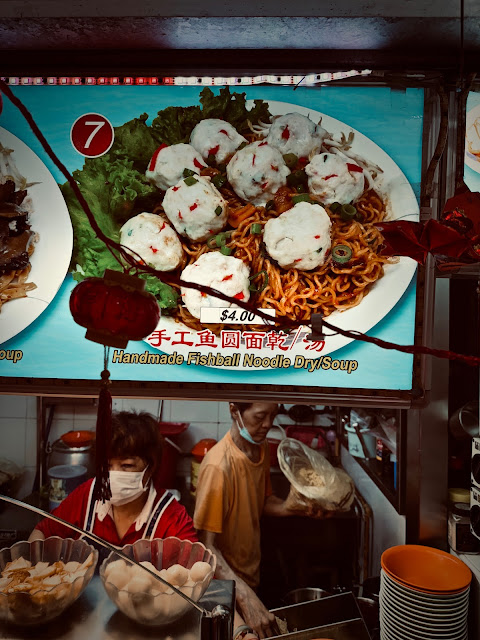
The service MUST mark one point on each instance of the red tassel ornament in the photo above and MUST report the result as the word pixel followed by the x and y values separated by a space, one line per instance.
pixel 114 309
pixel 104 432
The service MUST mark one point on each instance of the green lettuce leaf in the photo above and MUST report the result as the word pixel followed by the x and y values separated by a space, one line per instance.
pixel 174 125
pixel 232 108
pixel 134 141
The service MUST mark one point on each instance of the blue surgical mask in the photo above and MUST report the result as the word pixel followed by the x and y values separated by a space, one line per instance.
pixel 244 433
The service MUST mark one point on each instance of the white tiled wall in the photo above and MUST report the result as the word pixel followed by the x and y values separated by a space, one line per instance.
pixel 18 425
pixel 18 429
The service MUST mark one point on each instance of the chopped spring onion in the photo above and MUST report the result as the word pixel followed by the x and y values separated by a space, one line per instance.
pixel 347 212
pixel 225 250
pixel 219 180
pixel 256 228
pixel 290 160
pixel 341 253
pixel 242 146
pixel 189 172
pixel 302 197
pixel 255 289
pixel 297 177
pixel 218 211
pixel 218 240
pixel 270 204
pixel 190 181
pixel 334 206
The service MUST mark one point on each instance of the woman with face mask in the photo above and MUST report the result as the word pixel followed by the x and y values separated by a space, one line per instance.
pixel 233 491
pixel 137 508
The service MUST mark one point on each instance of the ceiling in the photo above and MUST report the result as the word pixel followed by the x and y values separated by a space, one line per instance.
pixel 267 33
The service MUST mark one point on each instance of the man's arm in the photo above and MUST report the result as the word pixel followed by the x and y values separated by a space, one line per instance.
pixel 291 506
pixel 251 608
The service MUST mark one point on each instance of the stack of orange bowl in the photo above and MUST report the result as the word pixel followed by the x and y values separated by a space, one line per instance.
pixel 423 595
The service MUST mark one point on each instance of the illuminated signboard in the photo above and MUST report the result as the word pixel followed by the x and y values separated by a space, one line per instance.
pixel 368 138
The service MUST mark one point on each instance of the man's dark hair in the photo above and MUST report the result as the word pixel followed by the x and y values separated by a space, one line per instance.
pixel 242 406
pixel 136 434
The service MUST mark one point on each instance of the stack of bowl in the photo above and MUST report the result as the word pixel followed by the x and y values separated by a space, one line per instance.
pixel 423 595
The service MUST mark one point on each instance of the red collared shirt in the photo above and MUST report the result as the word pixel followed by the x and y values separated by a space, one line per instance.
pixel 78 506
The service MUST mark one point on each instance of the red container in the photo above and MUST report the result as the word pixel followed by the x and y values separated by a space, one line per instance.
pixel 308 435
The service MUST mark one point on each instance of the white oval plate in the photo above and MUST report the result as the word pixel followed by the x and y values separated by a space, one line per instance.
pixel 382 296
pixel 473 116
pixel 53 250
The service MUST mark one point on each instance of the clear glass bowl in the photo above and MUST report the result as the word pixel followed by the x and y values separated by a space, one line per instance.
pixel 25 597
pixel 145 599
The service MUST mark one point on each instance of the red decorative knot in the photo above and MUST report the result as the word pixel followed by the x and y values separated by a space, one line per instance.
pixel 457 220
pixel 114 309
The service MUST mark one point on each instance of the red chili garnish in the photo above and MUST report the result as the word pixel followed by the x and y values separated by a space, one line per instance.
pixel 298 260
pixel 229 277
pixel 175 188
pixel 214 150
pixel 204 295
pixel 354 167
pixel 333 175
pixel 286 133
pixel 262 144
pixel 197 164
pixel 153 250
pixel 317 237
pixel 264 186
pixel 224 132
pixel 153 161
pixel 303 160
pixel 239 296
pixel 163 226
pixel 253 159
pixel 193 206
pixel 180 215
pixel 274 168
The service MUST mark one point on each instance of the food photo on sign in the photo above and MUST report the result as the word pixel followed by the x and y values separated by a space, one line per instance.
pixel 272 203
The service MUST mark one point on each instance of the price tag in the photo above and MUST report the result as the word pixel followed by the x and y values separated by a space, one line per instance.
pixel 233 315
pixel 92 135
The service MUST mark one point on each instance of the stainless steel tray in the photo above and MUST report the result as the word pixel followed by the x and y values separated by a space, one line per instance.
pixel 337 614
pixel 350 630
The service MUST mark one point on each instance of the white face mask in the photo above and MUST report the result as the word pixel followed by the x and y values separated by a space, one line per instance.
pixel 126 486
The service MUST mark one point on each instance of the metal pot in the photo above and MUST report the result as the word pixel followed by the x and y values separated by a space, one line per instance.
pixel 304 594
pixel 60 453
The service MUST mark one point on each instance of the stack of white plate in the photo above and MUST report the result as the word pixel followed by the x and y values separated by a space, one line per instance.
pixel 423 595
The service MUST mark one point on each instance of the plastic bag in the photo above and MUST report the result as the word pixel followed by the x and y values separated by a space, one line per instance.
pixel 314 478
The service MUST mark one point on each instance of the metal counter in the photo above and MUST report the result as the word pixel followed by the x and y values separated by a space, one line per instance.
pixel 94 617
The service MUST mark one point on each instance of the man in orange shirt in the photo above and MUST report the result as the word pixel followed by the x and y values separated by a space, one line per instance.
pixel 233 491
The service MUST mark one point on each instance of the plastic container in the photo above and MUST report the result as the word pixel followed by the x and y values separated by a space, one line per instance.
pixel 198 452
pixel 63 479
pixel 355 438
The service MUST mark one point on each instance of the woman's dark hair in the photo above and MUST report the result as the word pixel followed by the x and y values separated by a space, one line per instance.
pixel 136 434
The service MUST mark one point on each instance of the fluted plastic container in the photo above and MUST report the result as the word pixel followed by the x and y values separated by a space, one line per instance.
pixel 144 598
pixel 32 595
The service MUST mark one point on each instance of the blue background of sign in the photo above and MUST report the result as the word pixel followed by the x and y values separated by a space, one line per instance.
pixel 54 346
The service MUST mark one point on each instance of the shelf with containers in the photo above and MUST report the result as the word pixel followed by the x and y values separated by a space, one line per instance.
pixel 376 439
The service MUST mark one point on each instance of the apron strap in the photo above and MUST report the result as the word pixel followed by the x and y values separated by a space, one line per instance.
pixel 152 523
pixel 90 511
